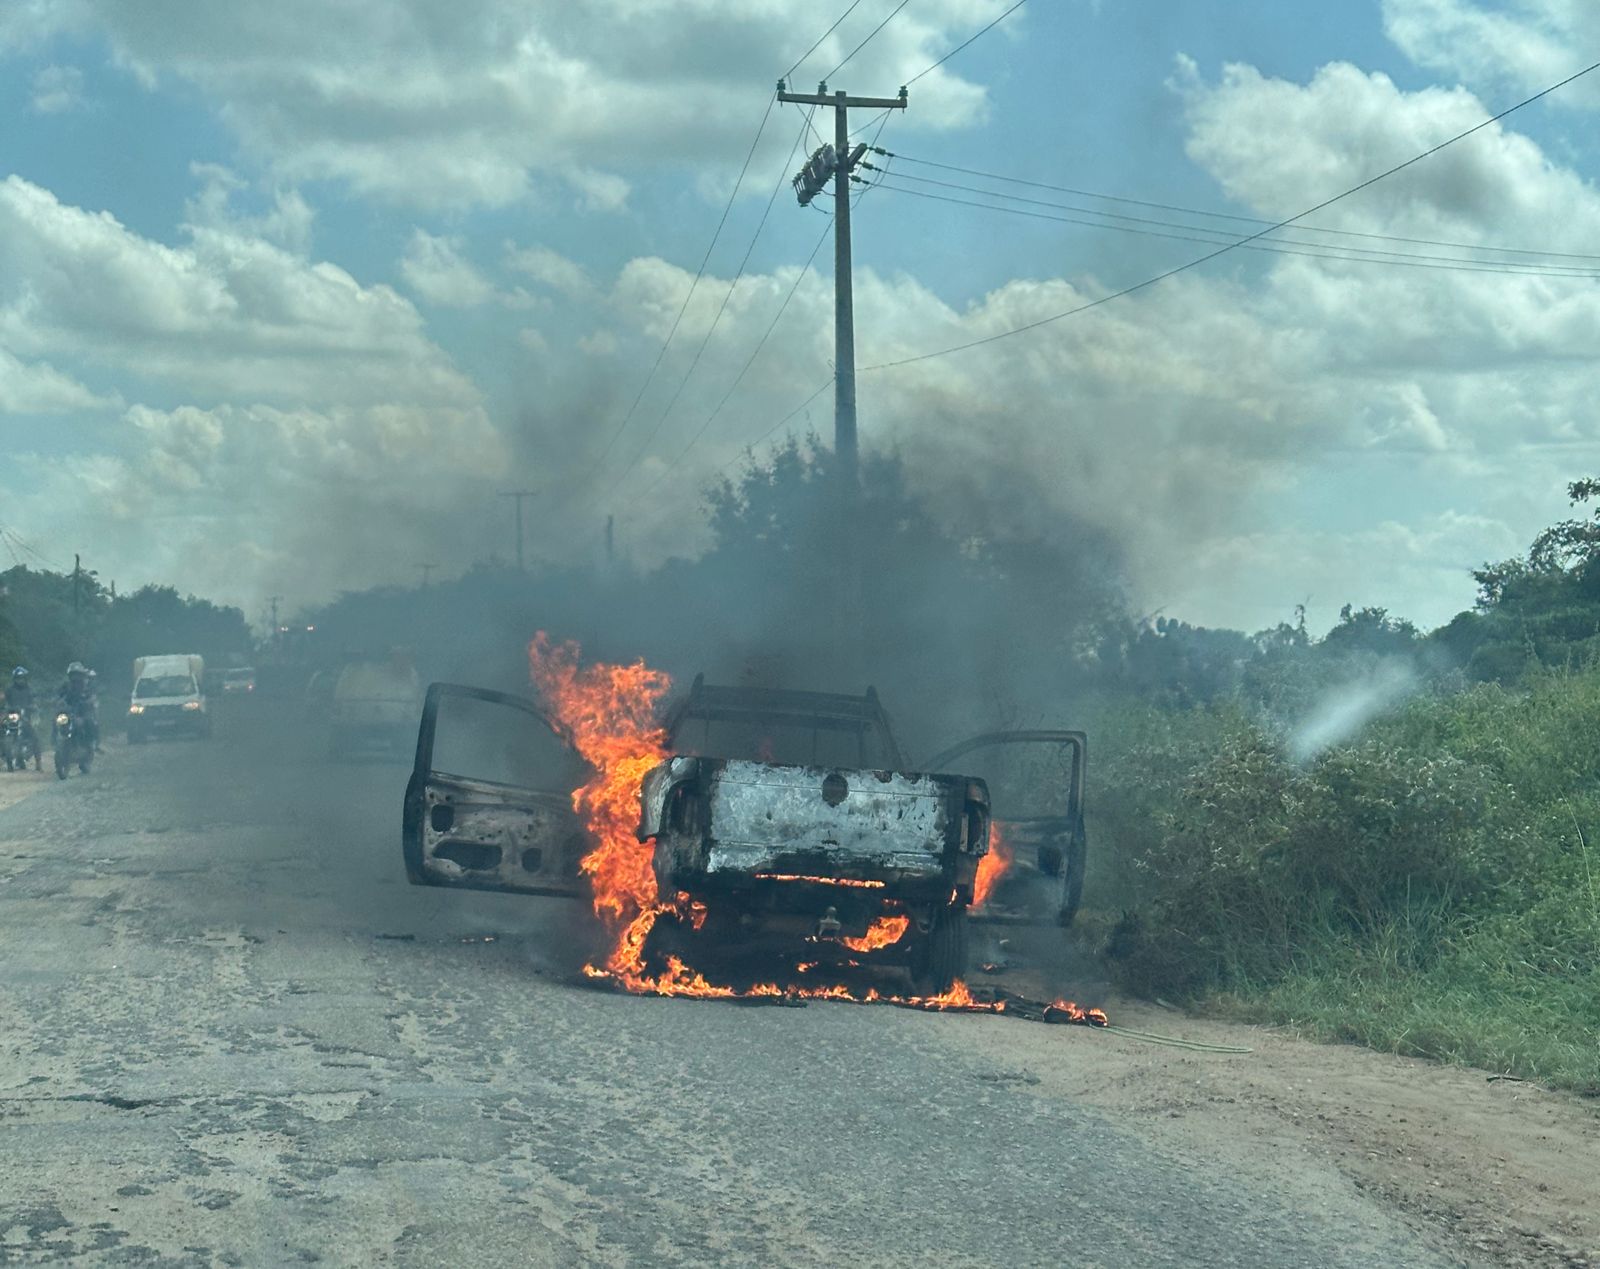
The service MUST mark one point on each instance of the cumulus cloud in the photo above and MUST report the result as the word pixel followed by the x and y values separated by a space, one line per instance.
pixel 314 429
pixel 228 315
pixel 471 102
pixel 242 501
pixel 57 89
pixel 288 221
pixel 549 268
pixel 1420 570
pixel 1521 46
pixel 39 388
pixel 437 271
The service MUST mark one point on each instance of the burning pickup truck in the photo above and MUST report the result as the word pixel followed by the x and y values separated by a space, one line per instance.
pixel 784 821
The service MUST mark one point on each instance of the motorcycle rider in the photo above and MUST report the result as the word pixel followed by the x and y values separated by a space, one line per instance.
pixel 76 696
pixel 19 696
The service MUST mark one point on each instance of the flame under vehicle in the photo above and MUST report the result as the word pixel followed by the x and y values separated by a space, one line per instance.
pixel 785 823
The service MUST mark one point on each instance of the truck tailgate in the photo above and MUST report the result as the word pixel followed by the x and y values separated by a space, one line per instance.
pixel 759 819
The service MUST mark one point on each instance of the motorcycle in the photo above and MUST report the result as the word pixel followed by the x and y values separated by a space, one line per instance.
pixel 17 741
pixel 72 743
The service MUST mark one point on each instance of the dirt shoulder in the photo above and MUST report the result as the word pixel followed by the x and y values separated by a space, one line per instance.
pixel 16 785
pixel 1503 1172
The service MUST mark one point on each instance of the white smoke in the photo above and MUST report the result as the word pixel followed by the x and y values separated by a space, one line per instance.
pixel 1340 713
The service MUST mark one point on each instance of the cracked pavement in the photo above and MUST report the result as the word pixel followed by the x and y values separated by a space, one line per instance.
pixel 235 1036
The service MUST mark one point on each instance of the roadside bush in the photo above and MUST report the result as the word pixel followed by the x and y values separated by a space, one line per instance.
pixel 1432 888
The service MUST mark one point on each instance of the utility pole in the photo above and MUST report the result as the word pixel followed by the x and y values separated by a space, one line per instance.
pixel 839 161
pixel 77 578
pixel 519 495
pixel 611 541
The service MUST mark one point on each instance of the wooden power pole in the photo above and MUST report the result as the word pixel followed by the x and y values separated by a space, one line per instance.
pixel 839 161
pixel 519 495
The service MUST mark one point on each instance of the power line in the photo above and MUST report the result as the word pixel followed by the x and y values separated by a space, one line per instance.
pixel 811 126
pixel 750 361
pixel 873 146
pixel 750 445
pixel 982 31
pixel 1216 215
pixel 789 74
pixel 1222 250
pixel 783 176
pixel 684 307
pixel 867 41
pixel 1290 246
pixel 17 540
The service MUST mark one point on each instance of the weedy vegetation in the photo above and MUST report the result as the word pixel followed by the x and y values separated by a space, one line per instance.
pixel 1431 887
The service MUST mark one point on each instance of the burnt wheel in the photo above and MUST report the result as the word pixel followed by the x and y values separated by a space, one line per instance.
pixel 941 958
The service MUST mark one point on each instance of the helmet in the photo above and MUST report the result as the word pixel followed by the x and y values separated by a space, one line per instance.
pixel 21 672
pixel 77 667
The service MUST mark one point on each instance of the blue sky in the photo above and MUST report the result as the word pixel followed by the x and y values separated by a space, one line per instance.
pixel 309 284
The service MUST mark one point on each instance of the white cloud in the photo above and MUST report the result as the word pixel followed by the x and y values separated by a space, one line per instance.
pixel 1521 45
pixel 288 222
pixel 436 270
pixel 304 500
pixel 228 316
pixel 39 388
pixel 549 268
pixel 462 102
pixel 599 191
pixel 1421 571
pixel 57 89
pixel 316 432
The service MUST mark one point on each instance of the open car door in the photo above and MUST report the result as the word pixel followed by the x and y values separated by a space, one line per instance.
pixel 1035 783
pixel 489 805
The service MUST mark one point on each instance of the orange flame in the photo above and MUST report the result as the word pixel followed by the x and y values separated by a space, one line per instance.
pixel 608 714
pixel 881 933
pixel 992 866
pixel 1066 1011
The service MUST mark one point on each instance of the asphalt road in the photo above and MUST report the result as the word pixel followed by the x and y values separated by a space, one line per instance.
pixel 233 1034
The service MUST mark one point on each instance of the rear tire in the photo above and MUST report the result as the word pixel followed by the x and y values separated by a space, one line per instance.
pixel 941 960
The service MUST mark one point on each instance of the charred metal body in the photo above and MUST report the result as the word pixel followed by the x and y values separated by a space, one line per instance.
pixel 777 848
pixel 726 825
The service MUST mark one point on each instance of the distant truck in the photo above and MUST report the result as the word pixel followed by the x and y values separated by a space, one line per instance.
pixel 790 819
pixel 168 697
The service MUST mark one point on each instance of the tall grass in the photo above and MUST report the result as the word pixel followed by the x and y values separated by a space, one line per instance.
pixel 1432 888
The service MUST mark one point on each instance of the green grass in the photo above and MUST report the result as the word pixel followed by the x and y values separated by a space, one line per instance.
pixel 1431 889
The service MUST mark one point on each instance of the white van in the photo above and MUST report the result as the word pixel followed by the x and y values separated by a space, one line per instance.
pixel 168 697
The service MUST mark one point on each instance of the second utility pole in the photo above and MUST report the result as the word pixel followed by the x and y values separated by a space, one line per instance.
pixel 839 165
pixel 519 495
